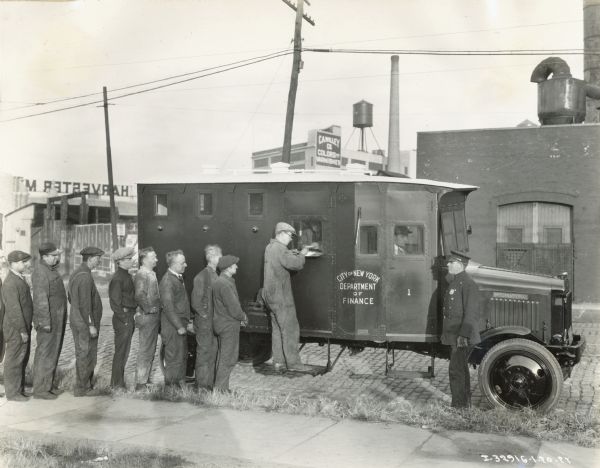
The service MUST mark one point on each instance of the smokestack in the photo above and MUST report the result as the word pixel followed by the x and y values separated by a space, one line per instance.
pixel 591 61
pixel 394 164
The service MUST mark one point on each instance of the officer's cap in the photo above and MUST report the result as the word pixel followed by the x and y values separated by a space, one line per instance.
pixel 49 248
pixel 18 256
pixel 92 252
pixel 456 256
pixel 226 261
pixel 284 227
pixel 123 253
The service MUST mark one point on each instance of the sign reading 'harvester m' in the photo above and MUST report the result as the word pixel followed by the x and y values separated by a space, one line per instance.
pixel 59 186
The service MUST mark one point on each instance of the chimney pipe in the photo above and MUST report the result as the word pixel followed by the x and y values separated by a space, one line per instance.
pixel 394 164
pixel 591 61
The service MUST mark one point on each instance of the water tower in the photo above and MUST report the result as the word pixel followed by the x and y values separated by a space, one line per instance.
pixel 362 117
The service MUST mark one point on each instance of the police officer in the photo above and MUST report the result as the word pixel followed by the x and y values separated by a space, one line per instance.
pixel 174 318
pixel 202 311
pixel 84 317
pixel 279 260
pixel 228 317
pixel 461 327
pixel 18 314
pixel 49 318
pixel 121 293
pixel 147 317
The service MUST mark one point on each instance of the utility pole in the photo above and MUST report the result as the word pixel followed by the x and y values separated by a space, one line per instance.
pixel 296 65
pixel 111 187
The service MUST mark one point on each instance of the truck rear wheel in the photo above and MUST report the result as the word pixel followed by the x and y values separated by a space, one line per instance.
pixel 519 373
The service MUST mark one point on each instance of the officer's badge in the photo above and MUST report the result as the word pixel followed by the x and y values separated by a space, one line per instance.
pixel 452 291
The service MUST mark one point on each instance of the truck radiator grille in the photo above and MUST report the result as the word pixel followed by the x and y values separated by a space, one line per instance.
pixel 516 312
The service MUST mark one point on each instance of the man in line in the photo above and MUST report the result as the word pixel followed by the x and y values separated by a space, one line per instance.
pixel 2 261
pixel 49 318
pixel 18 314
pixel 84 317
pixel 121 293
pixel 202 311
pixel 228 317
pixel 147 317
pixel 461 327
pixel 174 319
pixel 279 260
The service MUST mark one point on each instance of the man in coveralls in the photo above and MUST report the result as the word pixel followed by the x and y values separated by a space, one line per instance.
pixel 174 319
pixel 49 318
pixel 18 314
pixel 228 317
pixel 461 327
pixel 202 311
pixel 121 293
pixel 2 261
pixel 84 317
pixel 279 260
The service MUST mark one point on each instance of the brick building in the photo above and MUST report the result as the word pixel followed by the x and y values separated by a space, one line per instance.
pixel 538 206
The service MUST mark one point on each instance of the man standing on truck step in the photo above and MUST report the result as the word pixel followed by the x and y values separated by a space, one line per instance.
pixel 228 317
pixel 49 318
pixel 147 317
pixel 174 319
pixel 121 293
pixel 202 311
pixel 85 316
pixel 277 290
pixel 18 314
pixel 461 327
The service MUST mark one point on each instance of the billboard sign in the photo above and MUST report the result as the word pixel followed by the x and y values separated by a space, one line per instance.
pixel 329 149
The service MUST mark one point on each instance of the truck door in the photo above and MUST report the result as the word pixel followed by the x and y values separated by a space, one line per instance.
pixel 410 245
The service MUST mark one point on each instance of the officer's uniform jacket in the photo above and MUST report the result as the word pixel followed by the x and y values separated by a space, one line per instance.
pixel 278 261
pixel 146 292
pixel 49 296
pixel 86 305
pixel 227 306
pixel 174 300
pixel 462 309
pixel 202 303
pixel 18 306
pixel 121 293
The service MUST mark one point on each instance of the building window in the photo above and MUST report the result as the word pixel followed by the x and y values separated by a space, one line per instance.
pixel 261 162
pixel 255 204
pixel 408 240
pixel 514 235
pixel 205 204
pixel 368 240
pixel 161 207
pixel 553 235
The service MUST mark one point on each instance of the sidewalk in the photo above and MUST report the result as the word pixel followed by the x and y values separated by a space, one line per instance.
pixel 271 439
pixel 586 313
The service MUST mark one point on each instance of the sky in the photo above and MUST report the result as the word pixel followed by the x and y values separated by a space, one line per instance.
pixel 60 49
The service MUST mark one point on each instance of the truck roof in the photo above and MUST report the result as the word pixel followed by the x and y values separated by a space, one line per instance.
pixel 302 176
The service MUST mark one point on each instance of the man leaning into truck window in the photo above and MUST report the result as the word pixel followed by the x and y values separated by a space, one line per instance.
pixel 461 327
pixel 279 260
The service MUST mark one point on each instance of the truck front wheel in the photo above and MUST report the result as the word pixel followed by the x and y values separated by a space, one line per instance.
pixel 519 373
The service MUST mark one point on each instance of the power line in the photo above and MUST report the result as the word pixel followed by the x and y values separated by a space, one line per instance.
pixel 148 89
pixel 490 53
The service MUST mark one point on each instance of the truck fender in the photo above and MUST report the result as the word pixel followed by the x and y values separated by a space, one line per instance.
pixel 495 335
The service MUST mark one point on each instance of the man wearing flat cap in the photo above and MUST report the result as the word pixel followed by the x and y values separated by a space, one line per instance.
pixel 49 318
pixel 121 293
pixel 84 317
pixel 461 310
pixel 228 317
pixel 174 319
pixel 18 315
pixel 277 291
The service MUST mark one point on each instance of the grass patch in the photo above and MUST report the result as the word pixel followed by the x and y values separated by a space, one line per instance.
pixel 18 450
pixel 556 426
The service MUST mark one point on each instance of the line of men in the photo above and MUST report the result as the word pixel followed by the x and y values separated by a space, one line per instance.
pixel 214 315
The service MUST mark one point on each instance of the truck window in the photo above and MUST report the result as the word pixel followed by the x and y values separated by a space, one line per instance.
pixel 454 228
pixel 309 233
pixel 368 240
pixel 408 240
pixel 161 205
pixel 205 204
pixel 255 204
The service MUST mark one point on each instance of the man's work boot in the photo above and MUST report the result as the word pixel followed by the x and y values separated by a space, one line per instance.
pixel 18 397
pixel 45 396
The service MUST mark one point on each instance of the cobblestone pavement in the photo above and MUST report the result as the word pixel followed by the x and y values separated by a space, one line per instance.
pixel 361 374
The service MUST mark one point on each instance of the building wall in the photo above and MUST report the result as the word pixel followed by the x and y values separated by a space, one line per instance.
pixel 554 164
